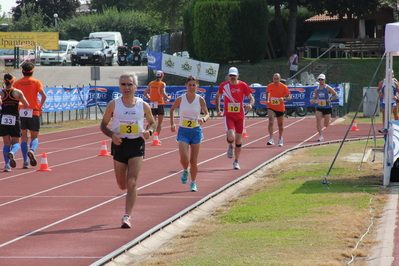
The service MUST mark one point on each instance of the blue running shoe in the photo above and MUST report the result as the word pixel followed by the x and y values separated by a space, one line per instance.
pixel 193 186
pixel 184 177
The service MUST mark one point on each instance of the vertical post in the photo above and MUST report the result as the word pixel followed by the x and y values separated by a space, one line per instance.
pixel 387 112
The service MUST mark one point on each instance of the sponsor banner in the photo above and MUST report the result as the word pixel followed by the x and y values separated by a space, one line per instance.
pixel 64 99
pixel 28 40
pixel 395 147
pixel 154 60
pixel 183 66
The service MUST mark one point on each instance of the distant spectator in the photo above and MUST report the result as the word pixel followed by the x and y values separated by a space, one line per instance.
pixel 293 63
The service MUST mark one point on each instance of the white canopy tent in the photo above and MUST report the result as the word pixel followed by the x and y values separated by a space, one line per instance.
pixel 391 50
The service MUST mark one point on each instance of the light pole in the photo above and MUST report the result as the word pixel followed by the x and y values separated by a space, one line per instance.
pixel 55 19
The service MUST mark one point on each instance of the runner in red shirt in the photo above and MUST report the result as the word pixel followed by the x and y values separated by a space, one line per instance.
pixel 234 92
pixel 276 94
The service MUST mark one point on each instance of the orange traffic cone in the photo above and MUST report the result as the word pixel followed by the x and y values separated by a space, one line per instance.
pixel 104 151
pixel 244 133
pixel 354 126
pixel 155 142
pixel 44 164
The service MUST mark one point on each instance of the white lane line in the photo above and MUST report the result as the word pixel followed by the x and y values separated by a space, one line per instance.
pixel 106 202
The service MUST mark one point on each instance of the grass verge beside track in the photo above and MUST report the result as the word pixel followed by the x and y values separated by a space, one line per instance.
pixel 289 217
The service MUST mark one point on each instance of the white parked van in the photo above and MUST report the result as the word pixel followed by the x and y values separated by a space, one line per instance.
pixel 62 56
pixel 113 38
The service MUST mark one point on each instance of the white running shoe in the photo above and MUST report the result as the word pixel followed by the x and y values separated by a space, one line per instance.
pixel 126 222
pixel 280 142
pixel 7 168
pixel 320 138
pixel 236 165
pixel 270 142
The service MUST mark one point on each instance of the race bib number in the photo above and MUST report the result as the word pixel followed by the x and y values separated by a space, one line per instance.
pixel 275 101
pixel 154 105
pixel 234 107
pixel 26 112
pixel 8 120
pixel 322 102
pixel 189 121
pixel 129 129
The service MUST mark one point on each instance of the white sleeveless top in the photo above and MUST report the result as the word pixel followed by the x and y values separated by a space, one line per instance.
pixel 189 112
pixel 128 121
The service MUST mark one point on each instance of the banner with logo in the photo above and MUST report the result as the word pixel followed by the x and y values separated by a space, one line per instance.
pixel 182 66
pixel 64 99
pixel 154 60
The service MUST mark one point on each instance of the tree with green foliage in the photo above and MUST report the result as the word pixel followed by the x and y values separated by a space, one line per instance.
pixel 30 20
pixel 131 24
pixel 63 8
pixel 171 12
pixel 121 5
pixel 222 31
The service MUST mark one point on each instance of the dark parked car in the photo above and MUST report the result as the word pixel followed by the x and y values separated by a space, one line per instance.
pixel 93 51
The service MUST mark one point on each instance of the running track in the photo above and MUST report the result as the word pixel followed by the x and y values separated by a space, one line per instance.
pixel 71 215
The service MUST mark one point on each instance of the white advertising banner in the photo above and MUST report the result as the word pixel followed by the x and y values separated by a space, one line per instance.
pixel 183 66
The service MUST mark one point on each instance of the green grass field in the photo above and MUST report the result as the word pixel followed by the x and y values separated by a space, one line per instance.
pixel 289 217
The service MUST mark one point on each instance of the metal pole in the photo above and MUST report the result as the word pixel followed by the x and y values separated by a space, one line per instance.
pixel 387 112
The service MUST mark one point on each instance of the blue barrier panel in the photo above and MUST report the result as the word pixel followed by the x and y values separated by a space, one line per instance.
pixel 64 99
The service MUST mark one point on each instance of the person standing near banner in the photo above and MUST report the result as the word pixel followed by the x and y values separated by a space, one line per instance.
pixel 233 92
pixel 322 97
pixel 156 93
pixel 189 134
pixel 293 63
pixel 30 118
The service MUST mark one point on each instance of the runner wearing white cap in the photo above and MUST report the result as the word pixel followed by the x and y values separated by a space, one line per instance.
pixel 323 95
pixel 234 92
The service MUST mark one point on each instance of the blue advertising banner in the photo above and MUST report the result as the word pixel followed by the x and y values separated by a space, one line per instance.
pixel 154 60
pixel 64 99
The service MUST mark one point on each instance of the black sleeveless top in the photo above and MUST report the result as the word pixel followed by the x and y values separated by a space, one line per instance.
pixel 10 104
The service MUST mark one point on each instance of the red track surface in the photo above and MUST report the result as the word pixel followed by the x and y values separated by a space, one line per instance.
pixel 71 215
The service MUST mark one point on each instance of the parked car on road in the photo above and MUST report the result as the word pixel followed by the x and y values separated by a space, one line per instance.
pixel 62 56
pixel 113 38
pixel 93 51
pixel 24 56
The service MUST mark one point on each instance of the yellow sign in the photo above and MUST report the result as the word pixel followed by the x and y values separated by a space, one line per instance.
pixel 28 40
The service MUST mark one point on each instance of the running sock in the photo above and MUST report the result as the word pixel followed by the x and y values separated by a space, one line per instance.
pixel 33 144
pixel 6 150
pixel 15 148
pixel 24 150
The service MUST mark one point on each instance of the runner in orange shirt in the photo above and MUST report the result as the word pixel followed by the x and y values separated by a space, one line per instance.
pixel 30 118
pixel 156 93
pixel 276 94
